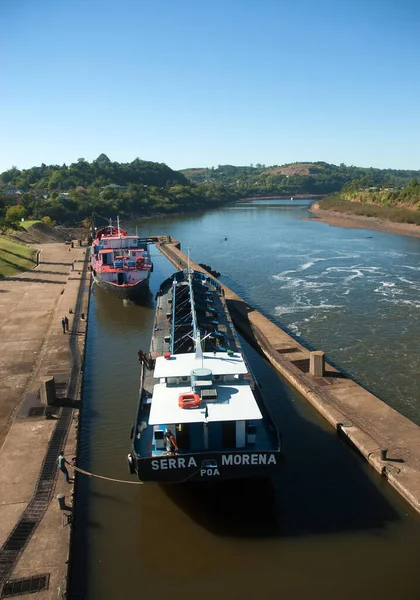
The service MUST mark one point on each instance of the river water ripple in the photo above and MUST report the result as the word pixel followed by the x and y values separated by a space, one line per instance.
pixel 327 526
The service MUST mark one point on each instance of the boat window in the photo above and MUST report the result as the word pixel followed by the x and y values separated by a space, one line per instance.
pixel 159 440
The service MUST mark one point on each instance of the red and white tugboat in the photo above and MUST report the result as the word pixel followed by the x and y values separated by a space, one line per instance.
pixel 120 262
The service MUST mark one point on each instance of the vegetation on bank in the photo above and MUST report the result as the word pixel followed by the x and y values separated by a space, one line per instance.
pixel 400 206
pixel 15 257
pixel 405 196
pixel 67 195
pixel 316 178
pixel 97 174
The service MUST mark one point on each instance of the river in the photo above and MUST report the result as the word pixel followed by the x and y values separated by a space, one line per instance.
pixel 328 526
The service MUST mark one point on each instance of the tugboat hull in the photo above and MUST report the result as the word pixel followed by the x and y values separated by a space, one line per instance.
pixel 126 292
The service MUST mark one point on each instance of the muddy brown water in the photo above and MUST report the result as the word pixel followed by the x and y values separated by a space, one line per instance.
pixel 327 526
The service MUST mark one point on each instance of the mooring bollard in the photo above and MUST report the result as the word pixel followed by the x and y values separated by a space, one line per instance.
pixel 317 363
pixel 384 452
pixel 83 316
pixel 61 501
pixel 47 390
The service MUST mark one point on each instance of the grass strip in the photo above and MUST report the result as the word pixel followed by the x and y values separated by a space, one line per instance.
pixel 15 258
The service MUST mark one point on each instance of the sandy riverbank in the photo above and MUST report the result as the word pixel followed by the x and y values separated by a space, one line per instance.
pixel 336 219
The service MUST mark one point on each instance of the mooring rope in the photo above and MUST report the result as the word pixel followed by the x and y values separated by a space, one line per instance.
pixel 89 474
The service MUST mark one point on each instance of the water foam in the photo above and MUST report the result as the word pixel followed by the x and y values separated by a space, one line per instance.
pixel 293 308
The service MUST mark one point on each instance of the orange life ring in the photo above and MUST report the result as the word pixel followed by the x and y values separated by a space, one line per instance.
pixel 189 400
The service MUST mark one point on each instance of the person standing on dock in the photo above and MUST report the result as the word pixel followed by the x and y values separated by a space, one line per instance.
pixel 62 465
pixel 66 321
pixel 63 324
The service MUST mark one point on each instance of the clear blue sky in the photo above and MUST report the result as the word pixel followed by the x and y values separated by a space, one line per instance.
pixel 205 82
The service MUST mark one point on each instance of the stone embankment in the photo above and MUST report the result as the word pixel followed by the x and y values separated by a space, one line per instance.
pixel 388 441
pixel 34 530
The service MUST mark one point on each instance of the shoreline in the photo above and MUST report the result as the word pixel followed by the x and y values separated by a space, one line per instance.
pixel 277 197
pixel 336 219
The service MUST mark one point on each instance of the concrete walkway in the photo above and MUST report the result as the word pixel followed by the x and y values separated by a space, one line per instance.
pixel 367 422
pixel 32 305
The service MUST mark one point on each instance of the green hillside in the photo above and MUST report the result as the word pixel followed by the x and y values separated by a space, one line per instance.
pixel 396 204
pixel 99 173
pixel 298 178
pixel 69 194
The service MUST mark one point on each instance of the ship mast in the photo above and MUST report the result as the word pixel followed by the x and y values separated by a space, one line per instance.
pixel 188 262
pixel 195 329
pixel 119 235
pixel 196 335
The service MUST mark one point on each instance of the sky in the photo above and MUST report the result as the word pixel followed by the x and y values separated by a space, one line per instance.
pixel 198 83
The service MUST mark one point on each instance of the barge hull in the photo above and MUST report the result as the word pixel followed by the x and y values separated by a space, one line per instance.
pixel 178 468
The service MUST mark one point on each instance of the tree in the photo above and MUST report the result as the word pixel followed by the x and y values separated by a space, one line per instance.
pixel 26 200
pixel 102 159
pixel 8 176
pixel 2 205
pixel 56 181
pixel 48 221
pixel 14 214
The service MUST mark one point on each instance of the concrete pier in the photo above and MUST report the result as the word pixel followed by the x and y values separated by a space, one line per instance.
pixel 40 372
pixel 364 420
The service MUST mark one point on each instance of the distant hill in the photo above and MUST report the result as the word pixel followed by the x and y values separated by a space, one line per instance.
pixel 68 194
pixel 298 178
pixel 295 169
pixel 98 174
